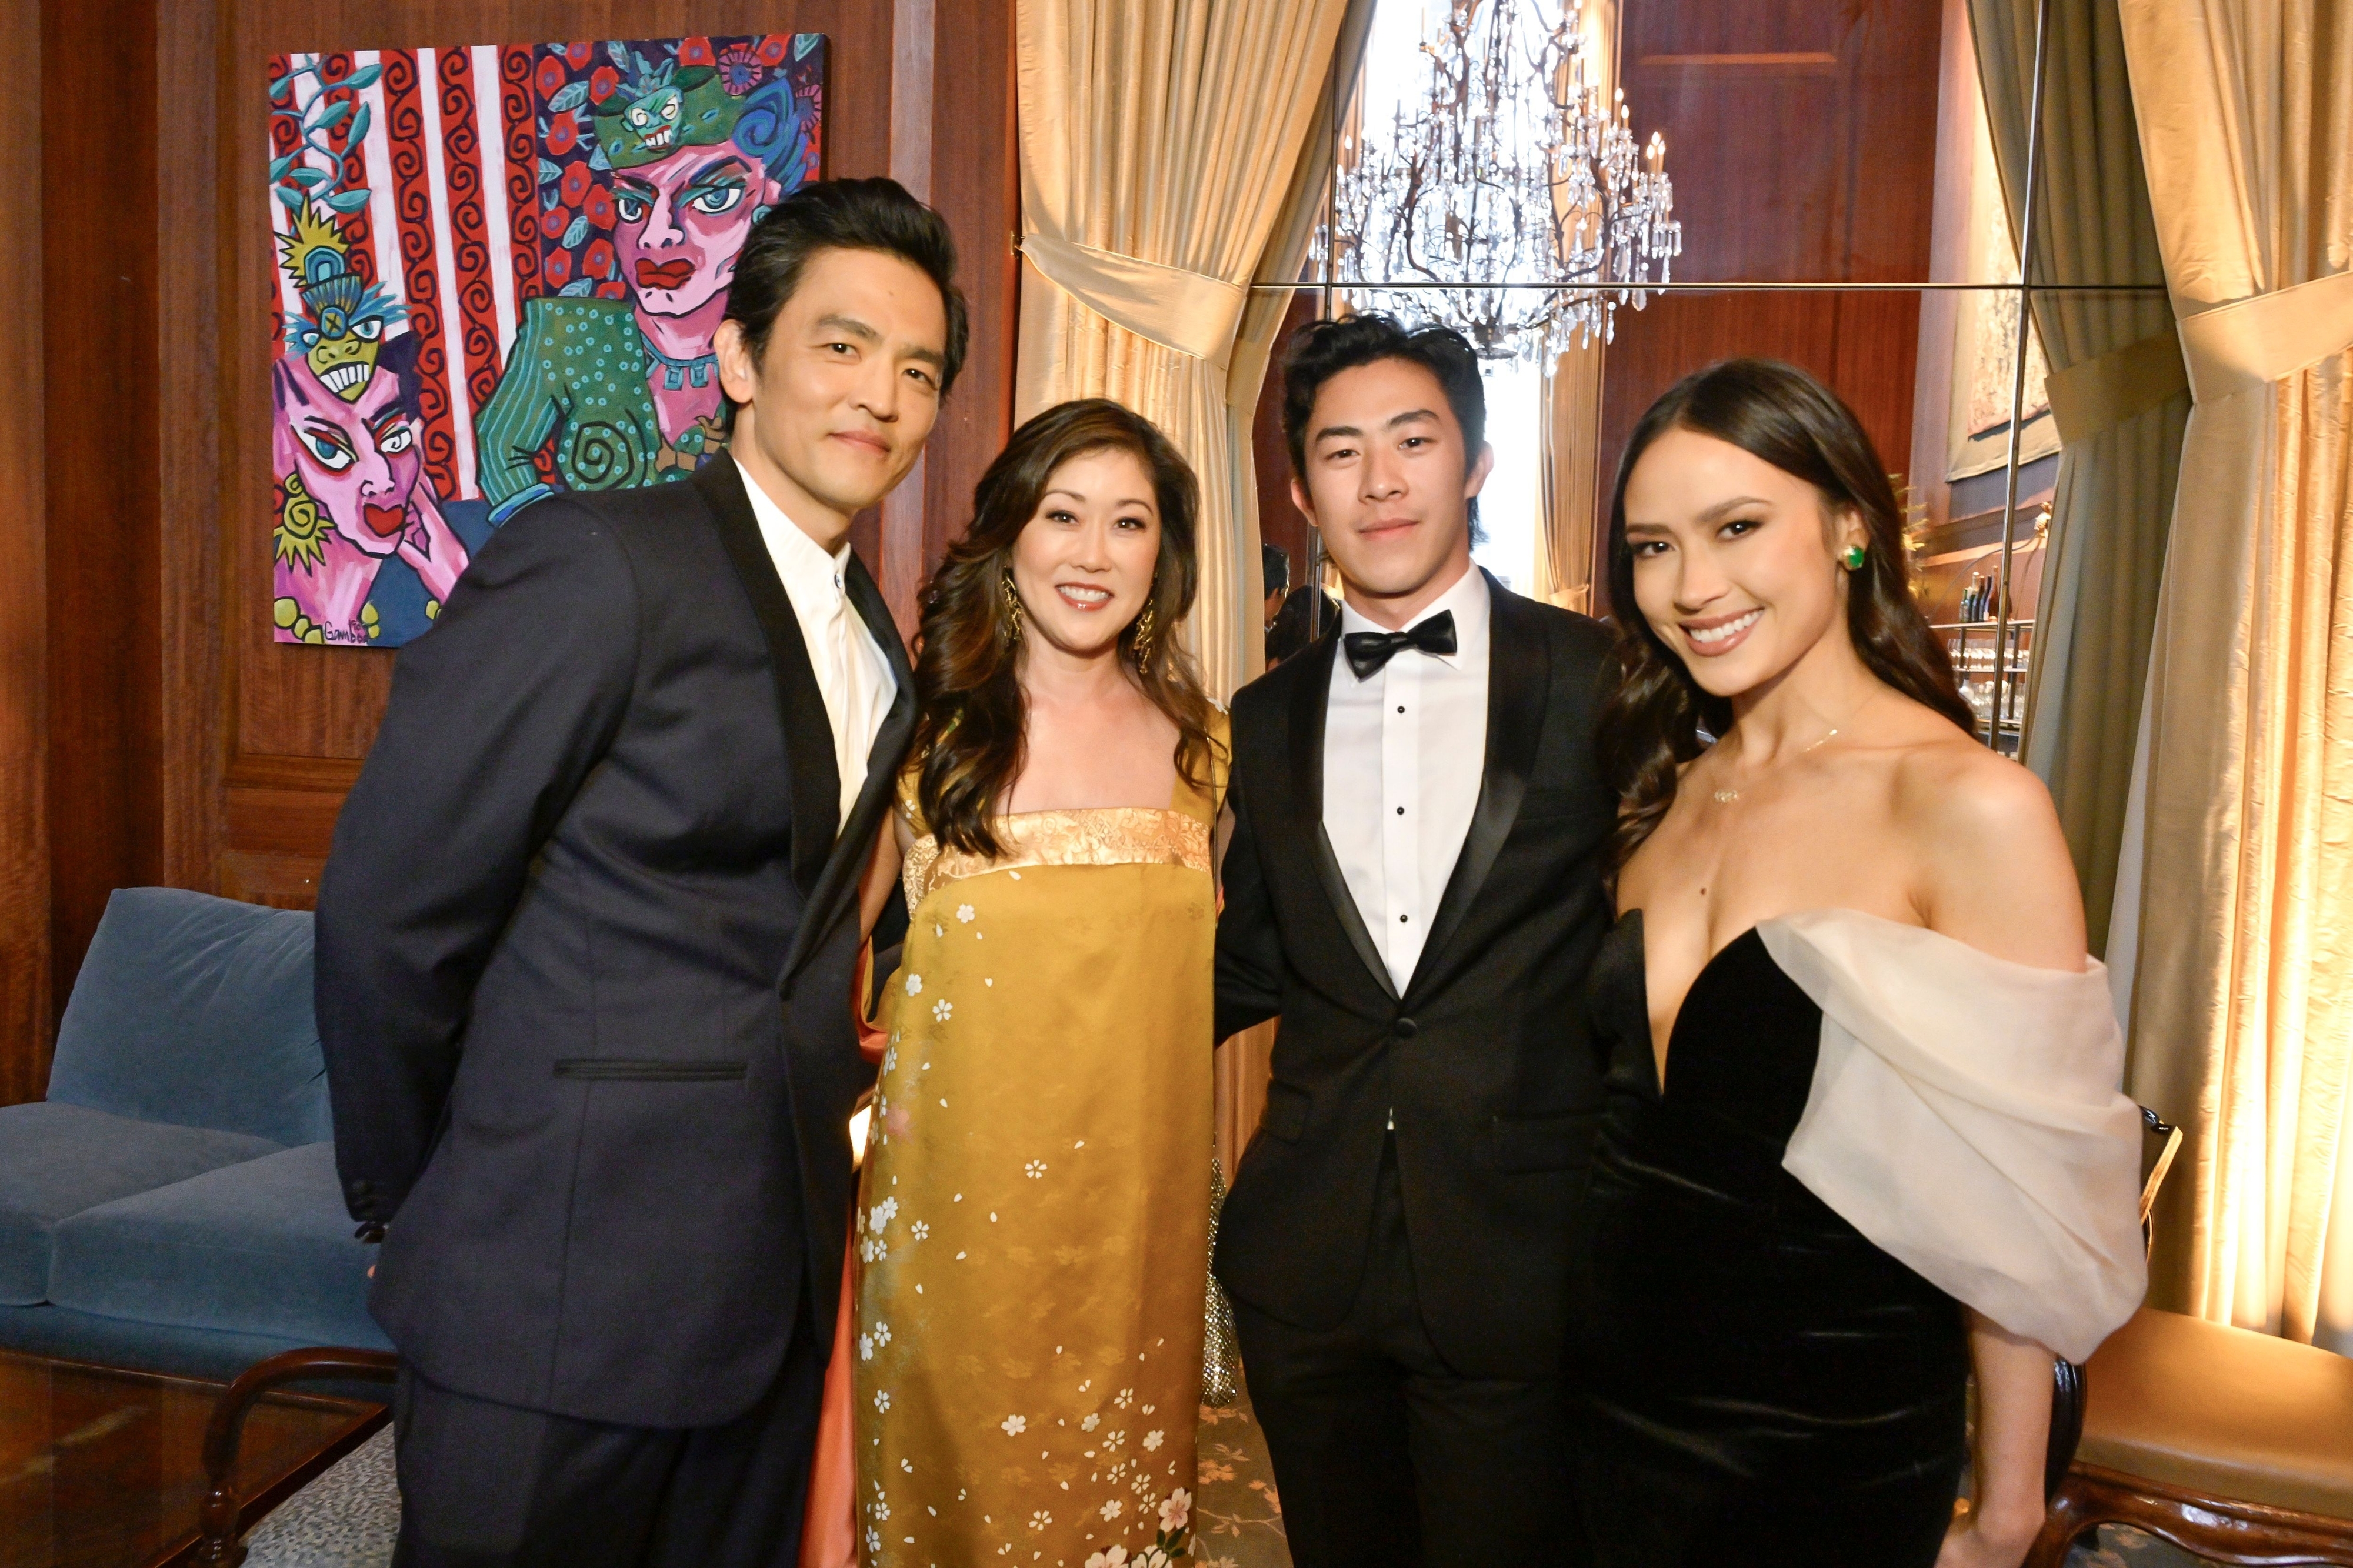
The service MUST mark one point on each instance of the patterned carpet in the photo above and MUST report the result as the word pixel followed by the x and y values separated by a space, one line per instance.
pixel 348 1516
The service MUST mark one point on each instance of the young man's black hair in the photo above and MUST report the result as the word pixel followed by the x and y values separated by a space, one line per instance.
pixel 842 214
pixel 1322 349
pixel 1274 568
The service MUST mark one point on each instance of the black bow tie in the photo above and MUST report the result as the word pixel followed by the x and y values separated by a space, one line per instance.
pixel 1368 651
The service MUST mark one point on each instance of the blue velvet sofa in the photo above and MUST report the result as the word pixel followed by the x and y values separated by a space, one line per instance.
pixel 173 1204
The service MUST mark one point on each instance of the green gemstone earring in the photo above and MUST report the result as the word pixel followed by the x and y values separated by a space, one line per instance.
pixel 1852 557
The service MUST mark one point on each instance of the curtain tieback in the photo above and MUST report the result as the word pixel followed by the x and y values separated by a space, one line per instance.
pixel 1191 313
pixel 2265 338
pixel 2123 383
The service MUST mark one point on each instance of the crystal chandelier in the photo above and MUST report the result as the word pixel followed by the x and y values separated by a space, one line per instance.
pixel 1509 170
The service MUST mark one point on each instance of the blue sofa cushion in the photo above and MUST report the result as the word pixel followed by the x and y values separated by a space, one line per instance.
pixel 264 1247
pixel 59 1160
pixel 196 1010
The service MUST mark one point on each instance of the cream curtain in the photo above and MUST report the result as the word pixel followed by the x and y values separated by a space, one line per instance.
pixel 1168 161
pixel 1173 152
pixel 2119 395
pixel 2242 1008
pixel 1572 399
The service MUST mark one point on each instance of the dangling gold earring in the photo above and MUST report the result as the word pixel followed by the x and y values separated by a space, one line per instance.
pixel 1012 607
pixel 1143 625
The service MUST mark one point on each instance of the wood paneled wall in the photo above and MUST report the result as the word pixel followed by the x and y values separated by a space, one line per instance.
pixel 1802 141
pixel 181 744
pixel 25 976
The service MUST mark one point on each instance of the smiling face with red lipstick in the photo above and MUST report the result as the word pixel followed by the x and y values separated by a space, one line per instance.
pixel 1736 561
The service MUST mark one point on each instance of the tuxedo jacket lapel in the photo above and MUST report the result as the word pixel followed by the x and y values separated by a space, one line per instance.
pixel 1305 827
pixel 808 733
pixel 845 865
pixel 1518 686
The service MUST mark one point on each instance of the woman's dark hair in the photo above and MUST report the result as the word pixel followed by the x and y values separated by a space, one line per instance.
pixel 971 725
pixel 1321 350
pixel 1652 721
pixel 842 214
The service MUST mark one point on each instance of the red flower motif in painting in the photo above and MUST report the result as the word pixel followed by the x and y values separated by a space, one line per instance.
pixel 580 54
pixel 598 207
pixel 550 81
pixel 557 267
pixel 615 290
pixel 576 182
pixel 695 52
pixel 598 261
pixel 563 133
pixel 773 49
pixel 602 83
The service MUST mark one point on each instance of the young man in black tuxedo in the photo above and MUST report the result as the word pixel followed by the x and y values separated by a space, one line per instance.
pixel 1414 885
pixel 584 945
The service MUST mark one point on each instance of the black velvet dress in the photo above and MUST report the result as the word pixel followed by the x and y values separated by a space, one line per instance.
pixel 1760 1383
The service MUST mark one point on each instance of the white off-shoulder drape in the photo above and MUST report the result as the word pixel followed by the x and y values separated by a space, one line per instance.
pixel 1965 1117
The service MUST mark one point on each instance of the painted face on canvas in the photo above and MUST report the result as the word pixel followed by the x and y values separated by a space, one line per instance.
pixel 681 222
pixel 358 460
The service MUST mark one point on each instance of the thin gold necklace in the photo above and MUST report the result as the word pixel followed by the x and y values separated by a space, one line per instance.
pixel 1726 797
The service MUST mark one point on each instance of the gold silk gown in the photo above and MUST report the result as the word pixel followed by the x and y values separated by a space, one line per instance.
pixel 1032 1233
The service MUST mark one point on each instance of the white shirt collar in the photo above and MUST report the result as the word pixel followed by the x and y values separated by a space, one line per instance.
pixel 1468 599
pixel 800 561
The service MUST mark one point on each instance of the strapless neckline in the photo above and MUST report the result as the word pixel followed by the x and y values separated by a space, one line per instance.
pixel 1641 970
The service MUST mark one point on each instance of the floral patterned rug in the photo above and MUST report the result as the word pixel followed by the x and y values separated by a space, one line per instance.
pixel 1238 1517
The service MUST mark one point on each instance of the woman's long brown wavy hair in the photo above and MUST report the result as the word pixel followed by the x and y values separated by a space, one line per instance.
pixel 1652 721
pixel 972 723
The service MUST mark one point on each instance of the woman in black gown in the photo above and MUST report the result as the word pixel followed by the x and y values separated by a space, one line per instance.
pixel 1764 1384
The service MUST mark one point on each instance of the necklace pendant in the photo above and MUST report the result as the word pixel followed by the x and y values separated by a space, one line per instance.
pixel 1726 797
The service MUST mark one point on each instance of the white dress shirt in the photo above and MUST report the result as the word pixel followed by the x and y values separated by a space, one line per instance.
pixel 852 673
pixel 1404 752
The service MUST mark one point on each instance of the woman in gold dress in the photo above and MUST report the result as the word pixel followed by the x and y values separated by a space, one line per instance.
pixel 1032 1233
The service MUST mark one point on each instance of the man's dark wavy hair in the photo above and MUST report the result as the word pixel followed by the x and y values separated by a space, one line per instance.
pixel 1322 349
pixel 842 214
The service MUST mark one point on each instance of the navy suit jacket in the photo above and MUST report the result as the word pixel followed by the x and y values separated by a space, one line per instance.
pixel 584 956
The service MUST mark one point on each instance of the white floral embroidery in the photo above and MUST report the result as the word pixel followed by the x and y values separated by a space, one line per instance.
pixel 1034 1169
pixel 914 985
pixel 942 1010
pixel 884 1213
pixel 866 1347
pixel 1114 1558
pixel 1040 1519
pixel 883 1399
pixel 919 1230
pixel 1151 1441
pixel 1090 1423
pixel 880 1509
pixel 1015 1425
pixel 1147 1410
pixel 1115 1440
pixel 964 914
pixel 1177 1511
pixel 1113 1509
pixel 889 1059
pixel 873 1541
pixel 1124 1399
pixel 882 1333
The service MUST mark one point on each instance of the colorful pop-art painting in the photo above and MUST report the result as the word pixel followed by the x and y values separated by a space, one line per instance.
pixel 499 270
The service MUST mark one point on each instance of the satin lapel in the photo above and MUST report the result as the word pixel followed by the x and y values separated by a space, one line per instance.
pixel 1306 815
pixel 846 863
pixel 808 733
pixel 1519 681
